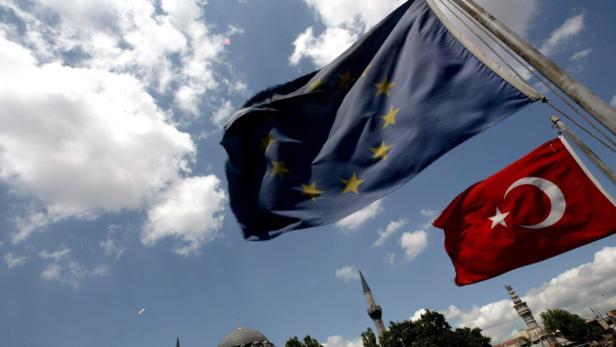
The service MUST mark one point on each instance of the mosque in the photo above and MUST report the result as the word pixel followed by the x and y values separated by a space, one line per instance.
pixel 247 337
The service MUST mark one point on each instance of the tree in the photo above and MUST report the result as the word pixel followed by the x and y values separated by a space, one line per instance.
pixel 308 342
pixel 369 339
pixel 431 330
pixel 570 325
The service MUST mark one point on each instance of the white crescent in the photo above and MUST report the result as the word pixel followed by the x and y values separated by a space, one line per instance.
pixel 557 199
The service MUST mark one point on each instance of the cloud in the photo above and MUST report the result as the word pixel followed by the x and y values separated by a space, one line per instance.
pixel 324 48
pixel 357 219
pixel 339 341
pixel 223 113
pixel 173 50
pixel 58 255
pixel 389 231
pixel 71 273
pixel 13 261
pixel 191 210
pixel 347 273
pixel 417 315
pixel 569 29
pixel 583 54
pixel 574 290
pixel 413 243
pixel 81 142
pixel 112 248
pixel 345 20
pixel 390 258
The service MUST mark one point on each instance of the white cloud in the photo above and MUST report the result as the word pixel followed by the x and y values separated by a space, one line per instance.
pixel 13 261
pixel 389 231
pixel 346 20
pixel 131 37
pixel 347 273
pixel 339 341
pixel 58 255
pixel 357 219
pixel 223 113
pixel 81 142
pixel 569 29
pixel 583 54
pixel 390 258
pixel 613 102
pixel 417 315
pixel 112 248
pixel 574 290
pixel 191 210
pixel 324 48
pixel 413 243
pixel 72 273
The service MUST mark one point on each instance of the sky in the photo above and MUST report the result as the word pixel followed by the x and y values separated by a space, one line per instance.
pixel 115 226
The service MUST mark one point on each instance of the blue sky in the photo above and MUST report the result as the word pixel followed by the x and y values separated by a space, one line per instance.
pixel 113 196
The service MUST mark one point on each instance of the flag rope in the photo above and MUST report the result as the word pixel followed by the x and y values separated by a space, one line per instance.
pixel 533 72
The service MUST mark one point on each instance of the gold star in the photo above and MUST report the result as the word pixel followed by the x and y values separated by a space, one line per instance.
pixel 352 184
pixel 381 151
pixel 318 83
pixel 384 87
pixel 267 141
pixel 311 190
pixel 279 168
pixel 390 117
pixel 346 80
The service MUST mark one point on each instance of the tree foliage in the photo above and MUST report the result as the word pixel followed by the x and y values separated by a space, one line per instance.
pixel 369 339
pixel 308 342
pixel 431 330
pixel 571 326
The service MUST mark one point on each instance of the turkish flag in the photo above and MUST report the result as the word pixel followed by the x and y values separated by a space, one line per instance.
pixel 544 204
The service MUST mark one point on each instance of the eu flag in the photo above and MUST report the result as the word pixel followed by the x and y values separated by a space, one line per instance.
pixel 316 149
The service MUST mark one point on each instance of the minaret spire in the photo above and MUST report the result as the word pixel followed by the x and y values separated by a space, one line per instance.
pixel 374 310
pixel 177 342
pixel 521 308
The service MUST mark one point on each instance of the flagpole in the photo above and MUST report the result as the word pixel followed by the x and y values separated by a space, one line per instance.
pixel 583 96
pixel 594 157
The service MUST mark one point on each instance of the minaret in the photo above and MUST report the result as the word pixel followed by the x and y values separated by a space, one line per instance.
pixel 522 309
pixel 177 342
pixel 374 310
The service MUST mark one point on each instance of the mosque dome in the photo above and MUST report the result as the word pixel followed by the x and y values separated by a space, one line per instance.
pixel 245 337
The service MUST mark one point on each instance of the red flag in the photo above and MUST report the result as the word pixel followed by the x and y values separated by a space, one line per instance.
pixel 542 205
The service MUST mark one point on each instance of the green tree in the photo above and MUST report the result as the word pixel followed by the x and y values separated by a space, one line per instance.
pixel 369 339
pixel 571 326
pixel 431 330
pixel 308 342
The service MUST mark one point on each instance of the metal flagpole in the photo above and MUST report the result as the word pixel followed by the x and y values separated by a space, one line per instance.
pixel 596 160
pixel 593 104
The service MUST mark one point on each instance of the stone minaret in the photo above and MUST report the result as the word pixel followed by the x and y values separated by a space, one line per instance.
pixel 374 310
pixel 522 309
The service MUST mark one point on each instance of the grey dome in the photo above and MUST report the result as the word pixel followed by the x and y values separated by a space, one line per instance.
pixel 241 337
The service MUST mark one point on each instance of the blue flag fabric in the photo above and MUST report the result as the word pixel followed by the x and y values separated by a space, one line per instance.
pixel 314 150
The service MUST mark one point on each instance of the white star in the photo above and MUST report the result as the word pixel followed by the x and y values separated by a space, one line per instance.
pixel 499 218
